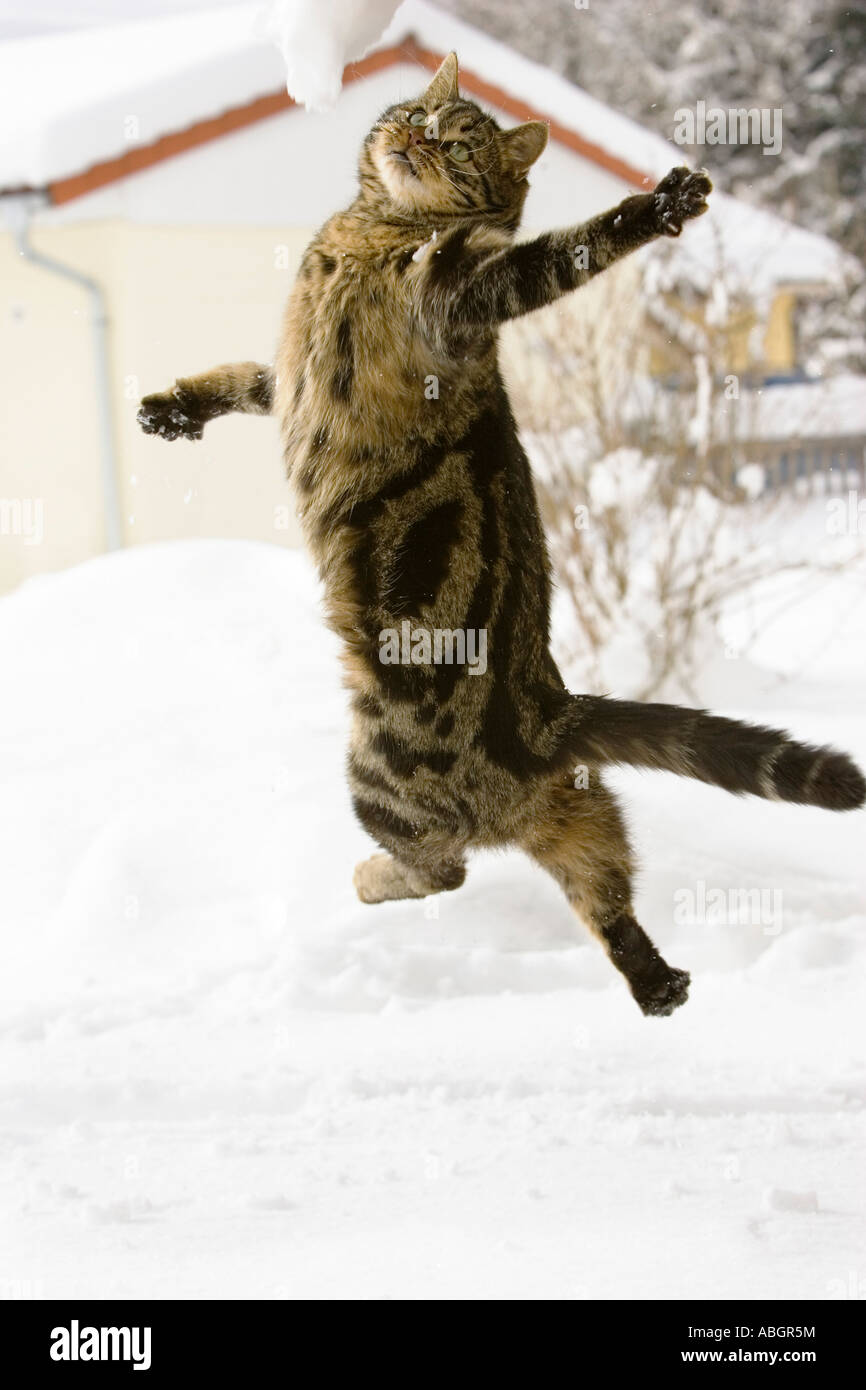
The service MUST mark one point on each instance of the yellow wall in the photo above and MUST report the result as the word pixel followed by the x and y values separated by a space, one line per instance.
pixel 737 341
pixel 180 299
pixel 779 338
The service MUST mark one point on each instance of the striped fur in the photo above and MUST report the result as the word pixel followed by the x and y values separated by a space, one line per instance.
pixel 418 506
pixel 724 752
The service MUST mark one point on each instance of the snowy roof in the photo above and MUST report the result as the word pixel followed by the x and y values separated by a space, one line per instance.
pixel 828 408
pixel 749 250
pixel 70 101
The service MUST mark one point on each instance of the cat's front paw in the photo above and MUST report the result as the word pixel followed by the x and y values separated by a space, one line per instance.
pixel 171 415
pixel 681 195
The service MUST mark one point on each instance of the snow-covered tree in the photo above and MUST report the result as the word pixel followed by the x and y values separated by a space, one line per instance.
pixel 807 57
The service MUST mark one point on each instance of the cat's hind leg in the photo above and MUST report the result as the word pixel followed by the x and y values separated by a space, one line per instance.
pixel 425 847
pixel 382 878
pixel 580 838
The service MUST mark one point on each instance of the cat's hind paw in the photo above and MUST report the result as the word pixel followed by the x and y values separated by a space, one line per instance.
pixel 681 195
pixel 380 879
pixel 666 991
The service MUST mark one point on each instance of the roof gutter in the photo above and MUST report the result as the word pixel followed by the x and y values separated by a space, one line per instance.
pixel 18 210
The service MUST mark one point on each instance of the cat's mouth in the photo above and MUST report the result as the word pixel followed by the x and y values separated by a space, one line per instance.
pixel 403 158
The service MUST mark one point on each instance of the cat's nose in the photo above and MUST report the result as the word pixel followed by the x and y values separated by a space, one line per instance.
pixel 417 136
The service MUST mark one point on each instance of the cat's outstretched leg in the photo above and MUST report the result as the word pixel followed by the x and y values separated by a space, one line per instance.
pixel 183 411
pixel 383 878
pixel 471 282
pixel 580 838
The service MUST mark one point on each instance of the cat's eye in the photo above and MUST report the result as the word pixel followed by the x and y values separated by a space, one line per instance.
pixel 458 151
pixel 418 118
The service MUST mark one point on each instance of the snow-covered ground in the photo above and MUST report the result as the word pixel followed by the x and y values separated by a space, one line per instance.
pixel 222 1076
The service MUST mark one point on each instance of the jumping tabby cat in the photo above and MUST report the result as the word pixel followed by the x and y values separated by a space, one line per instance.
pixel 418 505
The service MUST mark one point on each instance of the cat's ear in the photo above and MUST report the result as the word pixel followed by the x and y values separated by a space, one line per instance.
pixel 521 146
pixel 444 85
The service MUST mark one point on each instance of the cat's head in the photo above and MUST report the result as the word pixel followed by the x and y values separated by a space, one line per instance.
pixel 443 155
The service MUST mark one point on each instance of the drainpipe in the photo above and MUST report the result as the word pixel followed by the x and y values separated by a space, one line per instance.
pixel 19 214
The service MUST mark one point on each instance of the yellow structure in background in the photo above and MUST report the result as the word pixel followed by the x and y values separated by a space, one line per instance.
pixel 748 343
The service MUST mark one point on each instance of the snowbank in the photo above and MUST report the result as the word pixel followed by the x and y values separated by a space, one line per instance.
pixel 222 1076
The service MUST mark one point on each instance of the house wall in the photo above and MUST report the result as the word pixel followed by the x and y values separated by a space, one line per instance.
pixel 752 343
pixel 196 257
pixel 178 302
pixel 779 338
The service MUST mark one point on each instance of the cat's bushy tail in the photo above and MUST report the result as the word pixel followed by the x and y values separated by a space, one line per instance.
pixel 724 752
